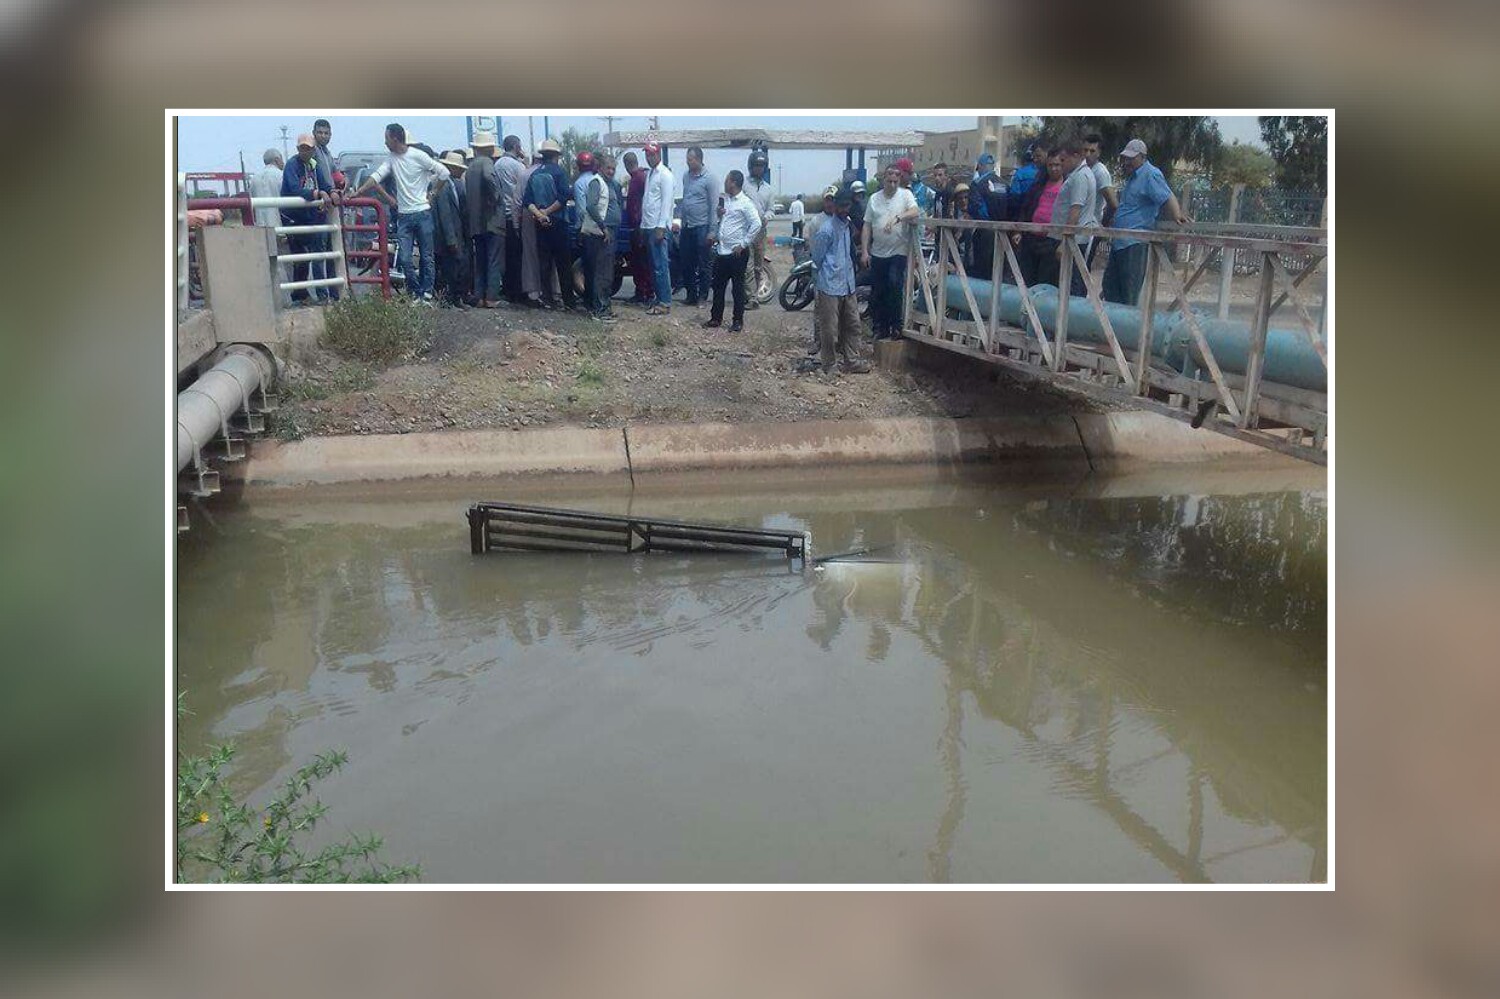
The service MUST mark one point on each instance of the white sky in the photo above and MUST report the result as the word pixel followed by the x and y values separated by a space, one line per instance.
pixel 216 142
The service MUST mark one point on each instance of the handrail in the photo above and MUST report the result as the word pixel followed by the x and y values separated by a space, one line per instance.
pixel 335 226
pixel 1174 236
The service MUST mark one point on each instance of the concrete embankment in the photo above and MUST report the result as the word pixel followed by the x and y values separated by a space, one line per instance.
pixel 1087 439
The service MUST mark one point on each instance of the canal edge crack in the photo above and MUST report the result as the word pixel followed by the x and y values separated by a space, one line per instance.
pixel 1078 429
pixel 629 462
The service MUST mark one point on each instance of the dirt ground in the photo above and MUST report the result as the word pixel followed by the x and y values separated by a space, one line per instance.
pixel 519 368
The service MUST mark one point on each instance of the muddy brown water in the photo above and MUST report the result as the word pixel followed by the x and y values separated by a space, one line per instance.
pixel 1060 678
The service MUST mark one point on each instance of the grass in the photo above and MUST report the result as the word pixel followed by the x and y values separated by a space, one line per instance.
pixel 590 373
pixel 659 338
pixel 347 376
pixel 375 330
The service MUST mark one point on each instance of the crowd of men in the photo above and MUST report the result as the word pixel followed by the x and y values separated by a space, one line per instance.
pixel 488 226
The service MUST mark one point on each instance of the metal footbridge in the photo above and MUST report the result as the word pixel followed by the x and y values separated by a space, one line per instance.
pixel 1242 377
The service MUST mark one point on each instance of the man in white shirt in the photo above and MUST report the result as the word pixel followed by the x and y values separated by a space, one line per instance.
pixel 883 245
pixel 797 213
pixel 1075 202
pixel 740 226
pixel 1106 200
pixel 418 178
pixel 656 220
pixel 267 184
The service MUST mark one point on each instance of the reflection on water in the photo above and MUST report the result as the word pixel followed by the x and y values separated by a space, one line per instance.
pixel 1058 683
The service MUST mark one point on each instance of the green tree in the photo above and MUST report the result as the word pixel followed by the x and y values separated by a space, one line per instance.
pixel 1241 163
pixel 1299 145
pixel 1194 139
pixel 574 142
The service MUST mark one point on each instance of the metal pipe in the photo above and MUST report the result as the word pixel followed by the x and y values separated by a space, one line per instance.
pixel 205 407
pixel 1289 359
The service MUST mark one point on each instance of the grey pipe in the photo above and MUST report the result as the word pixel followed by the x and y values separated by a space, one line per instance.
pixel 204 407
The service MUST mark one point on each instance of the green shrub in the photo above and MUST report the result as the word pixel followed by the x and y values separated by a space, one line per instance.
pixel 376 330
pixel 590 373
pixel 222 839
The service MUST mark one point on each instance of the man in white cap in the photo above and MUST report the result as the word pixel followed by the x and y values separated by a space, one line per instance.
pixel 485 204
pixel 1142 198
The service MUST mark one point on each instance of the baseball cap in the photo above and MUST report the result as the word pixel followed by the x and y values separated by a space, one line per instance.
pixel 1135 147
pixel 987 158
pixel 651 147
pixel 858 187
pixel 832 191
pixel 904 165
pixel 306 139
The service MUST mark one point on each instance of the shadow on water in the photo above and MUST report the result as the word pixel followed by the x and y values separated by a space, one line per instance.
pixel 1047 681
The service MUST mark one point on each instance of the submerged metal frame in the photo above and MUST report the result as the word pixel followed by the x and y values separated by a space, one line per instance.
pixel 518 527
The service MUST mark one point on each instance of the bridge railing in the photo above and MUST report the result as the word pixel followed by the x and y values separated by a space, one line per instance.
pixel 1190 365
pixel 335 226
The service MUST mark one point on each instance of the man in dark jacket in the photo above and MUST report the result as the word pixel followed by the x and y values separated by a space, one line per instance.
pixel 485 221
pixel 448 235
pixel 547 194
pixel 304 178
pixel 987 201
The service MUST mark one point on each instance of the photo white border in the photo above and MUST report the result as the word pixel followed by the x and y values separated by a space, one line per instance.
pixel 170 768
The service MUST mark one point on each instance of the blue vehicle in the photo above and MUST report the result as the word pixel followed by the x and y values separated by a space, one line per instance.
pixel 623 239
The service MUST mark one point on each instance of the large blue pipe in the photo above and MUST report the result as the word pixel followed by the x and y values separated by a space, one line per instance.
pixel 1290 359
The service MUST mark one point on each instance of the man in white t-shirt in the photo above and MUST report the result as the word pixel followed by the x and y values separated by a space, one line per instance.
pixel 883 243
pixel 1075 203
pixel 797 213
pixel 418 179
pixel 1106 200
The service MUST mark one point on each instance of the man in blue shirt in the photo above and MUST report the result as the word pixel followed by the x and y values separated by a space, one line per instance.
pixel 1028 173
pixel 546 198
pixel 1142 198
pixel 304 178
pixel 837 308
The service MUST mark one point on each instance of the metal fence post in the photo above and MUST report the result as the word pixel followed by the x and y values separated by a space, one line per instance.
pixel 1227 258
pixel 183 236
pixel 1256 361
pixel 1064 300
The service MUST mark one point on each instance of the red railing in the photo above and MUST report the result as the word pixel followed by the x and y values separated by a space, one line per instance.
pixel 381 254
pixel 382 251
pixel 233 181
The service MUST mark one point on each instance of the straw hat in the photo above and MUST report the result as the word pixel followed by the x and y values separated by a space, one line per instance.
pixel 549 146
pixel 454 158
pixel 483 139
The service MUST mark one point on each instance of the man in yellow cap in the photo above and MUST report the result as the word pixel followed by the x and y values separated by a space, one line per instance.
pixel 304 179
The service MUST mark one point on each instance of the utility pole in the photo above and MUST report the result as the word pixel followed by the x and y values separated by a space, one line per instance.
pixel 531 135
pixel 284 152
pixel 780 176
pixel 609 128
pixel 655 123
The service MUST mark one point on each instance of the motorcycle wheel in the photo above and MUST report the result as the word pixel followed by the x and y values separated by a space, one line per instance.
pixel 766 290
pixel 796 292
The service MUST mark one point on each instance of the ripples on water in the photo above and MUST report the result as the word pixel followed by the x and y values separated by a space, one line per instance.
pixel 1034 685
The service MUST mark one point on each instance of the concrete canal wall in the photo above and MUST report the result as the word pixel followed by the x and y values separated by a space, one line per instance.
pixel 1096 440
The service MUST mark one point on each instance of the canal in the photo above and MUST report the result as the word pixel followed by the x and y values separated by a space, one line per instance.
pixel 1032 679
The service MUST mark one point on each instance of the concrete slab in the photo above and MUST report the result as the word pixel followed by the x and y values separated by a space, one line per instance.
pixel 385 457
pixel 1150 437
pixel 196 339
pixel 848 442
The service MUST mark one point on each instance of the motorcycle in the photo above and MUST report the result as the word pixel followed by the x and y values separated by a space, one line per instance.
pixel 799 288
